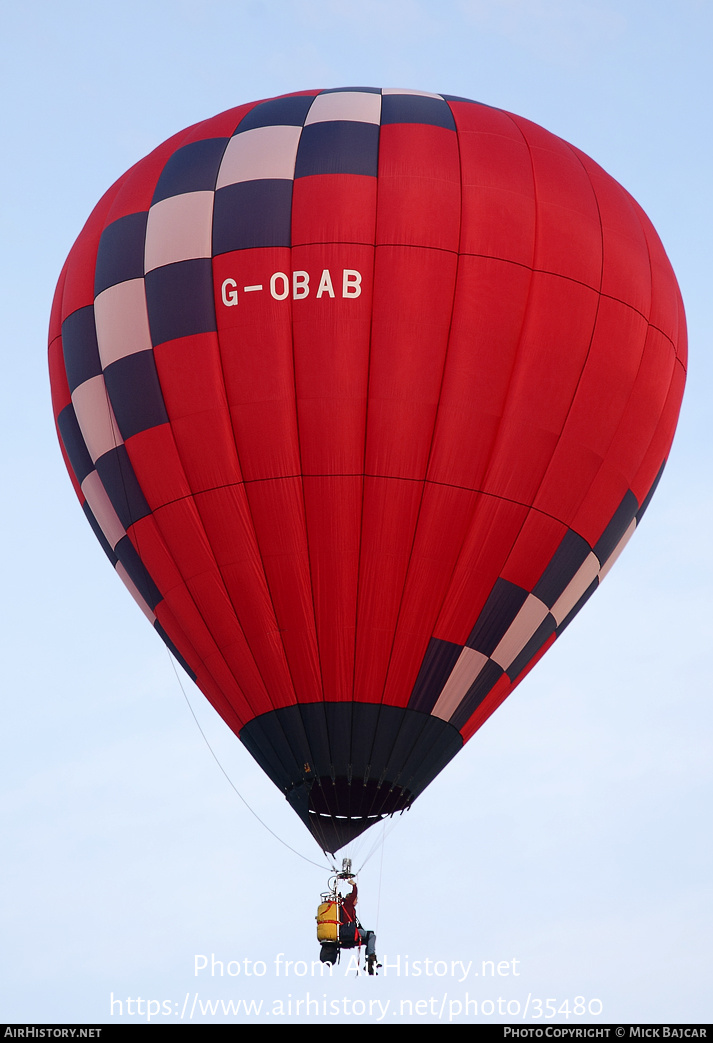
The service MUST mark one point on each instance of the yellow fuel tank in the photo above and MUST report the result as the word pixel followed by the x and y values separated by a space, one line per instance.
pixel 328 922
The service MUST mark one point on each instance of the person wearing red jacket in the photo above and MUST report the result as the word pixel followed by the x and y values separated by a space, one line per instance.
pixel 352 933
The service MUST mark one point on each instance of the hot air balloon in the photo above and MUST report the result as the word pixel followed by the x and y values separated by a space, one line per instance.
pixel 362 392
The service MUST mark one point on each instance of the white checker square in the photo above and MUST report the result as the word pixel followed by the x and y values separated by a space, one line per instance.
pixel 254 155
pixel 357 106
pixel 523 626
pixel 179 228
pixel 133 590
pixel 96 417
pixel 122 321
pixel 569 597
pixel 102 509
pixel 618 549
pixel 467 667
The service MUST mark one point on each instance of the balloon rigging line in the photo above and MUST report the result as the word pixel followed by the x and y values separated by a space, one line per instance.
pixel 382 844
pixel 381 877
pixel 229 780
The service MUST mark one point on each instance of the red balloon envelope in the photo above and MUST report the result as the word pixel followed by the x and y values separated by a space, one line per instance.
pixel 362 392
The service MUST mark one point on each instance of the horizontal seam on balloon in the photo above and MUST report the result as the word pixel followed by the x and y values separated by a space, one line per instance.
pixel 385 477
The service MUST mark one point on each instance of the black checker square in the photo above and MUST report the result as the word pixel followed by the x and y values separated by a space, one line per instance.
pixel 135 393
pixel 470 101
pixel 566 561
pixel 504 602
pixel 79 346
pixel 96 529
pixel 252 214
pixel 120 256
pixel 338 147
pixel 138 573
pixel 193 168
pixel 74 444
pixel 415 108
pixel 483 684
pixel 580 604
pixel 647 499
pixel 173 650
pixel 179 299
pixel 438 662
pixel 119 480
pixel 543 633
pixel 278 112
pixel 623 517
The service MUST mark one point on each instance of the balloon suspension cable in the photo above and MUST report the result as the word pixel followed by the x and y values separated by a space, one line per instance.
pixel 381 876
pixel 380 840
pixel 230 781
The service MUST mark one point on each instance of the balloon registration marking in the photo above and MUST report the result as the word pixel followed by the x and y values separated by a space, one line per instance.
pixel 280 286
pixel 363 392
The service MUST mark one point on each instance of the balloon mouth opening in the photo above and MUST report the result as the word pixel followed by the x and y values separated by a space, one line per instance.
pixel 345 766
pixel 337 810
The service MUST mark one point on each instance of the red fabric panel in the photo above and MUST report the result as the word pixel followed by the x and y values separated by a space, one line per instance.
pixel 536 542
pixel 331 359
pixel 626 273
pixel 151 547
pixel 258 365
pixel 332 511
pixel 568 234
pixel 220 689
pixel 334 208
pixel 181 527
pixel 498 205
pixel 631 440
pixel 218 596
pixel 665 296
pixel 157 466
pixel 214 689
pixel 495 526
pixel 191 377
pixel 278 515
pixel 681 341
pixel 444 518
pixel 79 282
pixel 553 349
pixel 413 294
pixel 388 523
pixel 56 318
pixel 660 445
pixel 488 313
pixel 138 184
pixel 252 651
pixel 413 159
pixel 200 600
pixel 221 126
pixel 602 397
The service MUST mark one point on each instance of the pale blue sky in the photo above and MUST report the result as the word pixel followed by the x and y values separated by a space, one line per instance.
pixel 573 832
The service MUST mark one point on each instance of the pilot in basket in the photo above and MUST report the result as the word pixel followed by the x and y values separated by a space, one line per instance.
pixel 338 925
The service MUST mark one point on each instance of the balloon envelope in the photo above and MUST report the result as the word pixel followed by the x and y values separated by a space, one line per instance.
pixel 362 392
